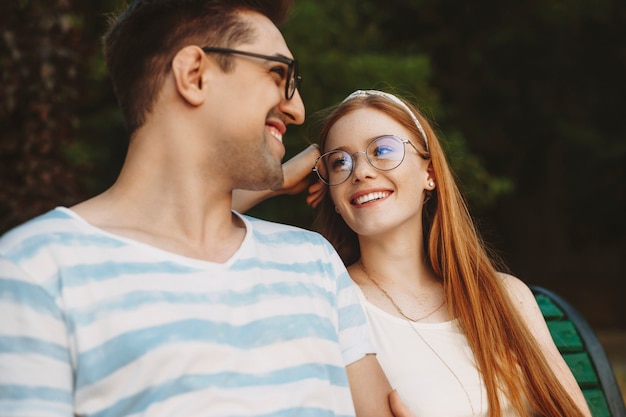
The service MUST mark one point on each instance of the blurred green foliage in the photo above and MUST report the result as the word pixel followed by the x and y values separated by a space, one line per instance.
pixel 528 97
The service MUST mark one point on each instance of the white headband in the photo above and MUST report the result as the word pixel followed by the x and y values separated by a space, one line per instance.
pixel 362 93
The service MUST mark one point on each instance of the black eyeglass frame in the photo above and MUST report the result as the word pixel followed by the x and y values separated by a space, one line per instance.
pixel 292 80
pixel 400 140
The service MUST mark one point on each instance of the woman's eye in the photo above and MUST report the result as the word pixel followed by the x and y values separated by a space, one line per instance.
pixel 382 151
pixel 339 164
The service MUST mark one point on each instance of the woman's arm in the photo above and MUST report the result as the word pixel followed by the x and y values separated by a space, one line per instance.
pixel 298 176
pixel 525 302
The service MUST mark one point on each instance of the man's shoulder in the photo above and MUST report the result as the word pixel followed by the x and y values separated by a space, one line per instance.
pixel 47 226
pixel 35 224
pixel 267 226
pixel 282 231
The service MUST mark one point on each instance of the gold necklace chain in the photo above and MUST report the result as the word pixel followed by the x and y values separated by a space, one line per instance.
pixel 410 321
pixel 397 307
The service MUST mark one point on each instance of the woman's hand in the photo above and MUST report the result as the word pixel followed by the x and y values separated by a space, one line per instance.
pixel 298 171
pixel 398 408
pixel 317 191
pixel 298 176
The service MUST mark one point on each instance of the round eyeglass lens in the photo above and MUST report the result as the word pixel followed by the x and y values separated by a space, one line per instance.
pixel 334 167
pixel 385 152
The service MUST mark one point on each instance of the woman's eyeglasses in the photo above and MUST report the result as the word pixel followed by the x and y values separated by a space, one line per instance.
pixel 383 153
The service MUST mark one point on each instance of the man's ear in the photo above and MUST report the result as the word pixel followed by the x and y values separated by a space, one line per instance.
pixel 188 67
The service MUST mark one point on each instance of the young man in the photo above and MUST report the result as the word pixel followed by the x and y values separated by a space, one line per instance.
pixel 154 298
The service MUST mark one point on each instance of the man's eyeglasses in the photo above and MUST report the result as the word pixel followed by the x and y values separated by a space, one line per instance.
pixel 383 153
pixel 293 80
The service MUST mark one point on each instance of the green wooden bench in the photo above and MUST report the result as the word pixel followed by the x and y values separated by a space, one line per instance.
pixel 583 352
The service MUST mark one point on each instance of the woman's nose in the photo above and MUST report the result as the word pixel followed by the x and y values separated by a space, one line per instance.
pixel 361 168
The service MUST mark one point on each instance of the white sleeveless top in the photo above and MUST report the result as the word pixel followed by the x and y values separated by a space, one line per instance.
pixel 427 385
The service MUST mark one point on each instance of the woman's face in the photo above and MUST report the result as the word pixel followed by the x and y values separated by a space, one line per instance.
pixel 372 201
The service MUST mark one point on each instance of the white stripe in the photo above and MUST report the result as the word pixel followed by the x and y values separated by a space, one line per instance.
pixel 57 375
pixel 199 359
pixel 262 401
pixel 16 315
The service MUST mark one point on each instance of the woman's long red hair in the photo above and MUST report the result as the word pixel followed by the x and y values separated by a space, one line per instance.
pixel 507 354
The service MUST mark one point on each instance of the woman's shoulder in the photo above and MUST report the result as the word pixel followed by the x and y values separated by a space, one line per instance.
pixel 522 297
pixel 514 286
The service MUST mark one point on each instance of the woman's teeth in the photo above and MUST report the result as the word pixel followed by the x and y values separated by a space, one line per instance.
pixel 370 197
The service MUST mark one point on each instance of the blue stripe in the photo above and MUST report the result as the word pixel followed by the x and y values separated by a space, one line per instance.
pixel 28 345
pixel 351 316
pixel 344 280
pixel 118 352
pixel 33 407
pixel 80 274
pixel 23 392
pixel 51 215
pixel 231 298
pixel 231 380
pixel 29 247
pixel 309 268
pixel 26 294
pixel 54 214
pixel 286 238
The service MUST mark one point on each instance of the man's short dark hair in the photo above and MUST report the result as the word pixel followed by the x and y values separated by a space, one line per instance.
pixel 144 38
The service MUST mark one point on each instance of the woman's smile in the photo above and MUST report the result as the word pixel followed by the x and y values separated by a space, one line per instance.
pixel 369 197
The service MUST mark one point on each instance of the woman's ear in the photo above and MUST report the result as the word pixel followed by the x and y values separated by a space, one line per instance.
pixel 431 181
pixel 188 67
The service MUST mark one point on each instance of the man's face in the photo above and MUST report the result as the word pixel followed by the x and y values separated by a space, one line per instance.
pixel 253 110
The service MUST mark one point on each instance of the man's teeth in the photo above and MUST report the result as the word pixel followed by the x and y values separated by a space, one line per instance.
pixel 274 132
pixel 370 197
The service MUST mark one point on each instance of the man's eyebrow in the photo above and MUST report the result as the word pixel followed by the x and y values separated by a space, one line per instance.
pixel 283 56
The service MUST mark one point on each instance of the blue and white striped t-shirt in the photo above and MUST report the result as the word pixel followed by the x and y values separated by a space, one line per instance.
pixel 92 324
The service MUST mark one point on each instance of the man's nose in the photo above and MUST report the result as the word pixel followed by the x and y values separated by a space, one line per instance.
pixel 293 109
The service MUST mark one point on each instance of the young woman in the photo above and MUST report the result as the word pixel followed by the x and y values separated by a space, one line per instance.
pixel 455 336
